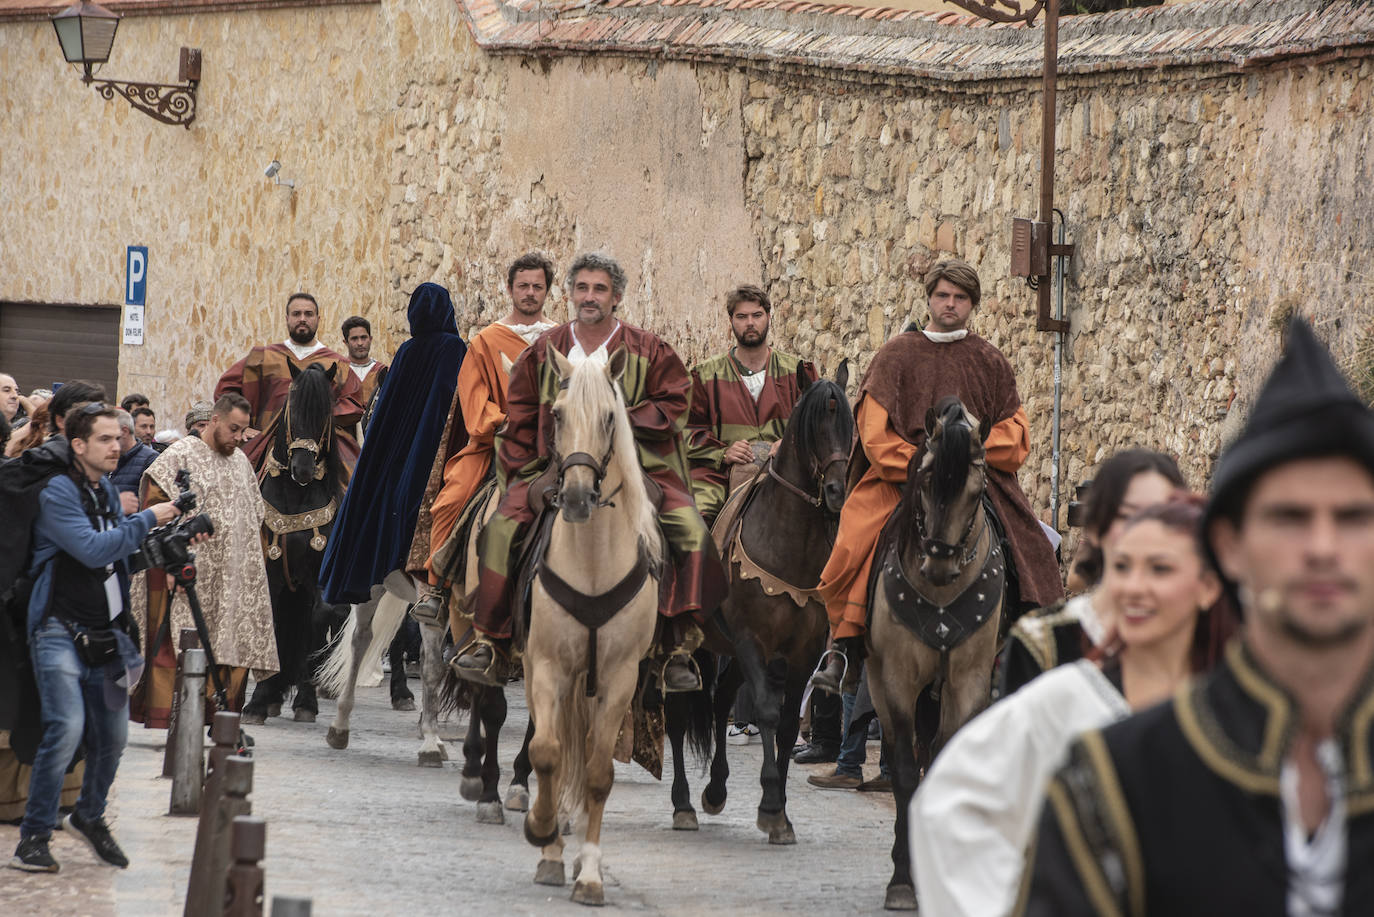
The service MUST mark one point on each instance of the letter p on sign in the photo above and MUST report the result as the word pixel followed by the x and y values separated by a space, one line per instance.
pixel 136 276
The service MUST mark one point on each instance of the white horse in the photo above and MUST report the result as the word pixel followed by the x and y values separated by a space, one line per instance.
pixel 593 610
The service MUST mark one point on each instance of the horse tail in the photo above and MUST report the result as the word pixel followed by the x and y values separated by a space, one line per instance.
pixel 333 674
pixel 456 694
pixel 574 727
pixel 700 708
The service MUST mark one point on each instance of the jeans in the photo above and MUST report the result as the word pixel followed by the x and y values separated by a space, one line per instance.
pixel 73 699
pixel 854 748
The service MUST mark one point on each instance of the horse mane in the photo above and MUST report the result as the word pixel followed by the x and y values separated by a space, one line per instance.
pixel 949 470
pixel 589 398
pixel 812 411
pixel 310 402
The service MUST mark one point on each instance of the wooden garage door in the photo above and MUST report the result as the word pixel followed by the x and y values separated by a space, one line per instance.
pixel 41 343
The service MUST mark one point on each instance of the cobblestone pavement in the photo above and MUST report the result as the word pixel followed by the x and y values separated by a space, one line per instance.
pixel 365 832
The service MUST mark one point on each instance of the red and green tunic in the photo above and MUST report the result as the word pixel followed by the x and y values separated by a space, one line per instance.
pixel 656 387
pixel 264 378
pixel 723 412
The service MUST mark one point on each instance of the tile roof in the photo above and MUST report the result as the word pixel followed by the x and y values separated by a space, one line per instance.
pixel 949 45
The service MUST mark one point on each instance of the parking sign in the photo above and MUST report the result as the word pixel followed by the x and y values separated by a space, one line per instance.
pixel 136 276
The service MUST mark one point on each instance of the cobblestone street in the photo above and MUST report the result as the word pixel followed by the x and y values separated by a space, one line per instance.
pixel 366 832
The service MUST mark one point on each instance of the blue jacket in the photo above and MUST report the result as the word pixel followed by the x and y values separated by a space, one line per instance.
pixel 63 525
pixel 129 472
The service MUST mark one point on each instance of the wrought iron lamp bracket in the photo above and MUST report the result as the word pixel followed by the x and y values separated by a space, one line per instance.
pixel 170 103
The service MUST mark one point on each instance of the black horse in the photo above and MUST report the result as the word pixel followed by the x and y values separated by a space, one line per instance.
pixel 777 536
pixel 302 486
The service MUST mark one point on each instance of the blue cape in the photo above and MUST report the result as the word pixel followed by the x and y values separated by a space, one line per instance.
pixel 376 521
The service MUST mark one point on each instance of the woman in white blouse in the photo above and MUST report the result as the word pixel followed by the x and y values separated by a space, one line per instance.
pixel 976 809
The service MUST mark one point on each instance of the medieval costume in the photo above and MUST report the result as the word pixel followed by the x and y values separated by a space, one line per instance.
pixel 264 378
pixel 656 387
pixel 480 406
pixel 977 807
pixel 730 404
pixel 370 375
pixel 1048 637
pixel 908 376
pixel 231 580
pixel 377 517
pixel 1192 807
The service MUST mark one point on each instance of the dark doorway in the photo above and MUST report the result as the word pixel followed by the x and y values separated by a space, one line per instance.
pixel 42 343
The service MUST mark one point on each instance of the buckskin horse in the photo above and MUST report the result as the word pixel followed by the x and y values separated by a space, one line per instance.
pixel 302 484
pixel 775 533
pixel 593 610
pixel 935 599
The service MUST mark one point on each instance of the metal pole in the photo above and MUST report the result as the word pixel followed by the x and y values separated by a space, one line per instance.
pixel 1058 381
pixel 188 769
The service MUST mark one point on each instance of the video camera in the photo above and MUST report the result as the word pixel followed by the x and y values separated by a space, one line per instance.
pixel 169 546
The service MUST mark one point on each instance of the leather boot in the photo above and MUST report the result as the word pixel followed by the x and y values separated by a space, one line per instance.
pixel 432 607
pixel 842 665
pixel 482 662
pixel 679 675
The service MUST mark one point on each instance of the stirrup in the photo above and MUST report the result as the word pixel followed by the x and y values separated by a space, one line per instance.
pixel 691 664
pixel 819 670
pixel 432 608
pixel 493 676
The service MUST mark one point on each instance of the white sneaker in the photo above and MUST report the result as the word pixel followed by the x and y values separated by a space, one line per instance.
pixel 743 734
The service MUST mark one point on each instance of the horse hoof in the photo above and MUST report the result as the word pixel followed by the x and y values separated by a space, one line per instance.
pixel 900 898
pixel 304 716
pixel 771 822
pixel 431 759
pixel 403 704
pixel 712 808
pixel 337 738
pixel 549 872
pixel 543 840
pixel 272 710
pixel 783 837
pixel 589 894
pixel 490 813
pixel 251 718
pixel 470 788
pixel 518 798
pixel 685 820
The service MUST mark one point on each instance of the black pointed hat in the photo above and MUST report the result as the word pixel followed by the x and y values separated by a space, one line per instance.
pixel 1305 410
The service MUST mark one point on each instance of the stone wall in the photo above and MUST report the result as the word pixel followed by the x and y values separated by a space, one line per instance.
pixel 1211 178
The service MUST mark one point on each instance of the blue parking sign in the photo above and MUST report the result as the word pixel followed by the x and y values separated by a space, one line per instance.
pixel 136 275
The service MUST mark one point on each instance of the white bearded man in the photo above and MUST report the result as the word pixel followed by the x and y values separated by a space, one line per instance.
pixel 231 580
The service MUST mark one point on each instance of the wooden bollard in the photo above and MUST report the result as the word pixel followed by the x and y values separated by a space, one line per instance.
pixel 190 640
pixel 205 888
pixel 188 764
pixel 224 732
pixel 290 907
pixel 243 883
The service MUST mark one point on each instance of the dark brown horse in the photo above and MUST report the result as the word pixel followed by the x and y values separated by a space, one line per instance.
pixel 935 601
pixel 773 624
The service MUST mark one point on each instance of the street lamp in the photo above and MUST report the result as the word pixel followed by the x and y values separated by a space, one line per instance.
pixel 86 32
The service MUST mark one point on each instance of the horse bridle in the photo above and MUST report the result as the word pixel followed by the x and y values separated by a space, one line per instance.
pixel 314 446
pixel 941 550
pixel 586 460
pixel 819 468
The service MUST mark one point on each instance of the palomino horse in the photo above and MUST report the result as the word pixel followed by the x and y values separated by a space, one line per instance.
pixel 935 600
pixel 370 628
pixel 776 536
pixel 302 485
pixel 593 608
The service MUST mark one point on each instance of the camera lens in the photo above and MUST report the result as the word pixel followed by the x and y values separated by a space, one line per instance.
pixel 198 525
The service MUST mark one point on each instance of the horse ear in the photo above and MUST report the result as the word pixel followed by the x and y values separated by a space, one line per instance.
pixel 334 373
pixel 615 366
pixel 930 421
pixel 842 374
pixel 803 380
pixel 294 370
pixel 561 366
pixel 984 430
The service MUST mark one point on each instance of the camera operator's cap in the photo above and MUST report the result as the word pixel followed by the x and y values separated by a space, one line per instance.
pixel 200 411
pixel 1305 410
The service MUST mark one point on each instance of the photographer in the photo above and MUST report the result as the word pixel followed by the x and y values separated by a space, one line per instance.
pixel 79 635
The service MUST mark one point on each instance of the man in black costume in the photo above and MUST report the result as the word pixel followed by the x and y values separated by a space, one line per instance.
pixel 1252 792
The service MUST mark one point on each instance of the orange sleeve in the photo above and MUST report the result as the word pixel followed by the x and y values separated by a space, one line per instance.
pixel 1008 442
pixel 481 405
pixel 887 452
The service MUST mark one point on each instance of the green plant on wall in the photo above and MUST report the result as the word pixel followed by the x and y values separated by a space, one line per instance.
pixel 1104 6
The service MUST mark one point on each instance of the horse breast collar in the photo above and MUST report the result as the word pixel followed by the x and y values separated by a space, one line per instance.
pixel 594 611
pixel 279 525
pixel 943 627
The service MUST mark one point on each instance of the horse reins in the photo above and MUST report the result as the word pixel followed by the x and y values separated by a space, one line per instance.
pixel 314 446
pixel 818 500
